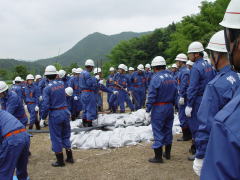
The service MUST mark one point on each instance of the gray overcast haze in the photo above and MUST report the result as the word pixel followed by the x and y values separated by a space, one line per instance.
pixel 35 29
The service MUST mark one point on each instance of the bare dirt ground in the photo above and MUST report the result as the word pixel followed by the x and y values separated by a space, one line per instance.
pixel 123 163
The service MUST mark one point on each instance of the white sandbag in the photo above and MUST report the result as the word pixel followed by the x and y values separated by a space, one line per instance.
pixel 76 123
pixel 115 140
pixel 120 123
pixel 90 142
pixel 80 139
pixel 131 136
pixel 102 141
pixel 145 133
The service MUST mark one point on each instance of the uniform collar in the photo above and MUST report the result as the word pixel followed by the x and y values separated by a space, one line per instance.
pixel 225 69
pixel 198 60
pixel 184 67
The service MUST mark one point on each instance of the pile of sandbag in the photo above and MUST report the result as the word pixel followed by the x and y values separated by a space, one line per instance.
pixel 118 137
pixel 123 130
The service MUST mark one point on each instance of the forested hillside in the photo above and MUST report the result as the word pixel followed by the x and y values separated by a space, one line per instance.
pixel 172 40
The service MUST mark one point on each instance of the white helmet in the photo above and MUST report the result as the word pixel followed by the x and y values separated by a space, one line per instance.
pixel 122 66
pixel 18 79
pixel 126 68
pixel 111 69
pixel 30 77
pixel 50 70
pixel 97 70
pixel 74 70
pixel 89 62
pixel 232 15
pixel 174 66
pixel 69 91
pixel 3 86
pixel 217 42
pixel 78 70
pixel 195 47
pixel 61 73
pixel 158 61
pixel 131 69
pixel 190 63
pixel 140 67
pixel 181 57
pixel 148 66
pixel 38 77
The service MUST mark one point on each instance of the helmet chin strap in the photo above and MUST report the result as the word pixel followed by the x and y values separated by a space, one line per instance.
pixel 214 59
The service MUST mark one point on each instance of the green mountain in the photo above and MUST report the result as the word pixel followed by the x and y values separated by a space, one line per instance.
pixel 10 64
pixel 95 46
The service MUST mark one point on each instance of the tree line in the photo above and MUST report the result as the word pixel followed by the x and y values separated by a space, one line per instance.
pixel 172 40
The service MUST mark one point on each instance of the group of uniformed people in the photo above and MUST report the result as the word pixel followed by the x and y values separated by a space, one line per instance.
pixel 204 91
pixel 207 100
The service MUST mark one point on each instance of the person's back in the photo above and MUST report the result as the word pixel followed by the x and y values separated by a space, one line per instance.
pixel 14 147
pixel 201 73
pixel 162 92
pixel 55 105
pixel 8 124
pixel 14 105
pixel 54 96
pixel 87 82
pixel 165 84
pixel 17 88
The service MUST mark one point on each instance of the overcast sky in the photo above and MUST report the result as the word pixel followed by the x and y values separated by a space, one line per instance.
pixel 35 29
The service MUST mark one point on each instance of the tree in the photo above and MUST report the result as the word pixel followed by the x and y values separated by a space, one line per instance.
pixel 20 71
pixel 58 66
pixel 172 40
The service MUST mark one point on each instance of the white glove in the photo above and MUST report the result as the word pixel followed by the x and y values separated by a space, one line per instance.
pixel 36 108
pixel 101 82
pixel 147 116
pixel 181 101
pixel 97 77
pixel 40 98
pixel 115 92
pixel 188 111
pixel 25 106
pixel 42 123
pixel 197 166
pixel 75 98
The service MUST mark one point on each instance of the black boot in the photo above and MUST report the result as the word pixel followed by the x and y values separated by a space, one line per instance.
pixel 73 117
pixel 30 127
pixel 114 110
pixel 89 124
pixel 37 125
pixel 186 135
pixel 158 156
pixel 69 156
pixel 77 114
pixel 192 149
pixel 168 151
pixel 84 123
pixel 183 135
pixel 60 161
